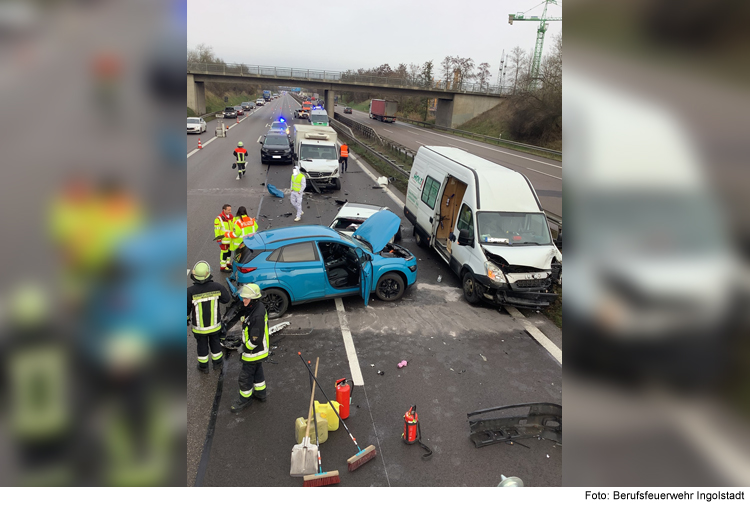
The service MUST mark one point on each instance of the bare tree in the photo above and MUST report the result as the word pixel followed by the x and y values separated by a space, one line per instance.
pixel 517 60
pixel 203 54
pixel 483 74
pixel 446 68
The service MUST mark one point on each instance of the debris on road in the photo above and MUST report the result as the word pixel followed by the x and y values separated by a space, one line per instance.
pixel 402 364
pixel 273 190
pixel 440 278
pixel 381 373
pixel 483 357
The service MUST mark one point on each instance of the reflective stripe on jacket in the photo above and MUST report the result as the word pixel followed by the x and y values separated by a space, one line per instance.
pixel 243 226
pixel 240 154
pixel 344 150
pixel 255 334
pixel 223 228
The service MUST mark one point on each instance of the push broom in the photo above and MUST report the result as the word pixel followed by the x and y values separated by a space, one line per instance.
pixel 321 478
pixel 303 454
pixel 363 456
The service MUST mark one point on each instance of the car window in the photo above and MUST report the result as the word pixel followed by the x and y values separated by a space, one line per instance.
pixel 430 192
pixel 465 220
pixel 276 140
pixel 299 252
pixel 274 255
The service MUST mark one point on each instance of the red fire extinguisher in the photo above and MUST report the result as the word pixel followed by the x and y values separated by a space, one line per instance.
pixel 411 419
pixel 343 397
pixel 413 431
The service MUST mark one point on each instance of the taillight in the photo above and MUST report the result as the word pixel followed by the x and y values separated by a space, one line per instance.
pixel 247 270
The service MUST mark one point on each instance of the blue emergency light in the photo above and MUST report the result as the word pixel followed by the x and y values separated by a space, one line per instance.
pixel 282 120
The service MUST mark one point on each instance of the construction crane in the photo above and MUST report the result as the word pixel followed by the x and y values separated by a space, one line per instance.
pixel 543 24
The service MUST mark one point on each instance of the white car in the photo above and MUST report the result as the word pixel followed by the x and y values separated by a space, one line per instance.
pixel 196 125
pixel 351 216
pixel 260 102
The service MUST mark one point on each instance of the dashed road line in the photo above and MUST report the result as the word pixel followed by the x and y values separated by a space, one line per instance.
pixel 548 175
pixel 351 352
pixel 386 130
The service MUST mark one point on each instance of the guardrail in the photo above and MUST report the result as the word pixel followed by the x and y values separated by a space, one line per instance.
pixel 276 72
pixel 482 137
pixel 340 127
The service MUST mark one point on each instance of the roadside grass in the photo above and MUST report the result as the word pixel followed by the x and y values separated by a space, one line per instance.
pixel 190 112
pixel 361 106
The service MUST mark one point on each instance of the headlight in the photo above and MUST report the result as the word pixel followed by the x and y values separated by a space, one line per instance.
pixel 413 268
pixel 494 273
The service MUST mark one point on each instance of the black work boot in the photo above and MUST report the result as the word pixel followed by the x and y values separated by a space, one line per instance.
pixel 240 403
pixel 202 368
pixel 261 396
pixel 218 363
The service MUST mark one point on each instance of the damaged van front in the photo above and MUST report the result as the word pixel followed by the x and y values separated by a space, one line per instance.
pixel 522 263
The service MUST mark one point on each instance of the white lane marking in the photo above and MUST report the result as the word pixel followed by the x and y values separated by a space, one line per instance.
pixel 375 180
pixel 548 175
pixel 488 148
pixel 204 145
pixel 386 130
pixel 413 132
pixel 535 333
pixel 351 352
pixel 188 271
pixel 419 142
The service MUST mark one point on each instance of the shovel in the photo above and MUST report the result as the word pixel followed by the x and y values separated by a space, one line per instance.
pixel 305 454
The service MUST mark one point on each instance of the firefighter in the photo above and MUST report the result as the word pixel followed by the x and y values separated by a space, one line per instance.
pixel 255 344
pixel 344 159
pixel 243 226
pixel 298 185
pixel 223 234
pixel 203 299
pixel 240 154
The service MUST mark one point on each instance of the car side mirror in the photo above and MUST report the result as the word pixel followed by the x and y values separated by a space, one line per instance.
pixel 464 238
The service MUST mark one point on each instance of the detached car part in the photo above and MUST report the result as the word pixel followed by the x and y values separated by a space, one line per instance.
pixel 516 422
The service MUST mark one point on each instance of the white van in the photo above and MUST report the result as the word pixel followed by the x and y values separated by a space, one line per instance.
pixel 487 223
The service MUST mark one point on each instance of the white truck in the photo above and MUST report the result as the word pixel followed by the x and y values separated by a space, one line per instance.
pixel 316 155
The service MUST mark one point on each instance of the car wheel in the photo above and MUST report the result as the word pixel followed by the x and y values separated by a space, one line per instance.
pixel 419 239
pixel 390 287
pixel 276 301
pixel 337 184
pixel 471 289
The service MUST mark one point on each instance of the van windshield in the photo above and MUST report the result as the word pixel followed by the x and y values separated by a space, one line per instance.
pixel 319 118
pixel 513 228
pixel 317 152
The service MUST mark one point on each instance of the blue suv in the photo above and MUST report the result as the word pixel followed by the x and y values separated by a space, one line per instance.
pixel 294 265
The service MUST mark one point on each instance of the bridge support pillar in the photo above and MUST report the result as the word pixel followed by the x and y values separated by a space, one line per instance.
pixel 328 96
pixel 196 95
pixel 452 113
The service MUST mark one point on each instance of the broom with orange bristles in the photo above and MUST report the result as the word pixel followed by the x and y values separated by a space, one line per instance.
pixel 363 456
pixel 321 478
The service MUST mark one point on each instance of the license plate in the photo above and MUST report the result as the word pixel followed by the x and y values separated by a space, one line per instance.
pixel 277 157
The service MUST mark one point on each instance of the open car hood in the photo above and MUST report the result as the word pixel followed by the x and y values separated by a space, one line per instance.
pixel 378 229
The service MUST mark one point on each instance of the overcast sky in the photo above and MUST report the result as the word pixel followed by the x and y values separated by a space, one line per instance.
pixel 339 35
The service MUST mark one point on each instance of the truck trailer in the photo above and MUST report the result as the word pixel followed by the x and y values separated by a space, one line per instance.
pixel 266 95
pixel 383 110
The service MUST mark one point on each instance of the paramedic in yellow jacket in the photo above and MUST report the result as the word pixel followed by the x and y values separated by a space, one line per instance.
pixel 242 226
pixel 223 234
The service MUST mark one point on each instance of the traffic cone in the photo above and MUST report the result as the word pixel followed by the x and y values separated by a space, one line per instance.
pixel 199 143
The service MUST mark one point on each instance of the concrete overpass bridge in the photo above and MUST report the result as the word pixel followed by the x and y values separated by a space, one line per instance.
pixel 456 102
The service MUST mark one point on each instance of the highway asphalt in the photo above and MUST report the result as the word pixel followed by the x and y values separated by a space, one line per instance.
pixel 460 357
